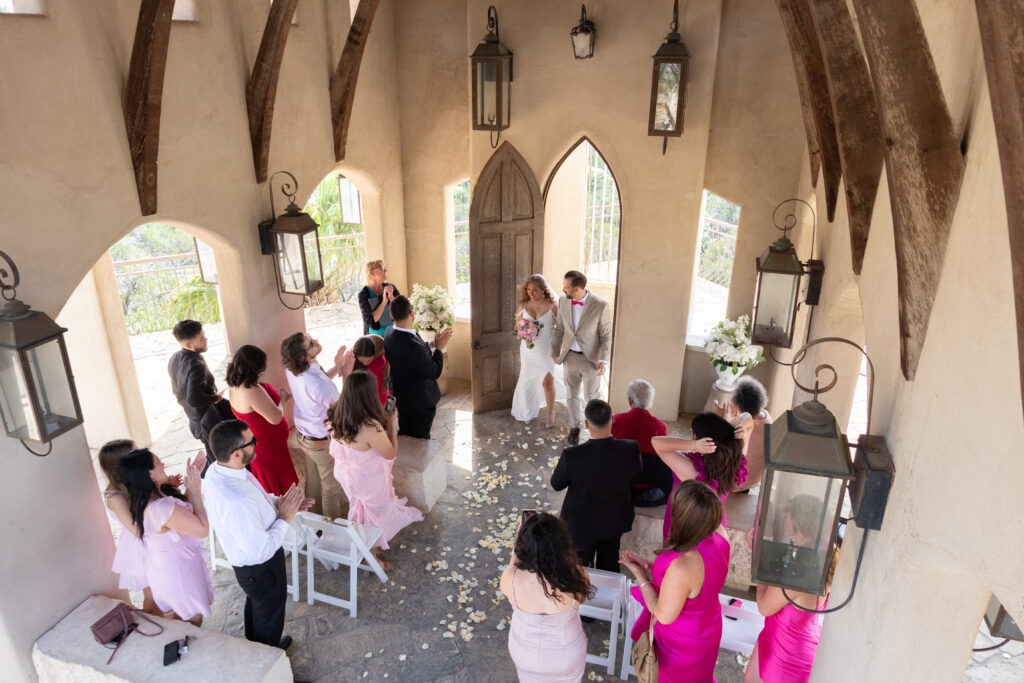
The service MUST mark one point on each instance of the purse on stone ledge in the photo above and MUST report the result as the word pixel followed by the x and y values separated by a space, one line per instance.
pixel 114 627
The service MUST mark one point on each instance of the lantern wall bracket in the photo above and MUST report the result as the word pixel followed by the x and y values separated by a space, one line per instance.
pixel 813 268
pixel 49 449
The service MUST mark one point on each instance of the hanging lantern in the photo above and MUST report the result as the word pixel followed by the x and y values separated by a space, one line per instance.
pixel 668 83
pixel 38 399
pixel 806 469
pixel 1000 623
pixel 492 78
pixel 207 262
pixel 583 35
pixel 292 239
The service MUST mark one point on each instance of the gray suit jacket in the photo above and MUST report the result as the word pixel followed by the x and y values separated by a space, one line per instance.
pixel 594 334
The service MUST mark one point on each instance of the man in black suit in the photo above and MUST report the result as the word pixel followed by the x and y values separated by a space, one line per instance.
pixel 414 370
pixel 598 505
pixel 194 386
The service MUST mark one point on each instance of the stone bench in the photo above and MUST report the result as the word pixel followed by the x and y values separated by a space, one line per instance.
pixel 68 652
pixel 421 471
pixel 740 511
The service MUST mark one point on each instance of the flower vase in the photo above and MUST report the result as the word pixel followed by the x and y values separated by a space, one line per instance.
pixel 428 335
pixel 727 378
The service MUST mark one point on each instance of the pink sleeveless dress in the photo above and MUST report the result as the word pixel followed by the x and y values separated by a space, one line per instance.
pixel 547 648
pixel 175 565
pixel 702 475
pixel 129 557
pixel 687 649
pixel 787 644
pixel 366 479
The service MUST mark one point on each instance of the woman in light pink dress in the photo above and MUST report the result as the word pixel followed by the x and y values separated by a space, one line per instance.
pixel 171 527
pixel 364 445
pixel 545 584
pixel 680 588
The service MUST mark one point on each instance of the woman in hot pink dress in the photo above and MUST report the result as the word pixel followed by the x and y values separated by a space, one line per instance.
pixel 714 456
pixel 171 527
pixel 258 405
pixel 682 588
pixel 364 445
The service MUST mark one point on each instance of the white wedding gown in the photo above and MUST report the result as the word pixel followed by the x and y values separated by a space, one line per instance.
pixel 534 364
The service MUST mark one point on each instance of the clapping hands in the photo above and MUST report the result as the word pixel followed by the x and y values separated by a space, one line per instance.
pixel 292 502
pixel 443 337
pixel 194 474
pixel 638 566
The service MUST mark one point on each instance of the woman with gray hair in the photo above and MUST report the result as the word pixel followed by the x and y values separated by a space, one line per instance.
pixel 655 481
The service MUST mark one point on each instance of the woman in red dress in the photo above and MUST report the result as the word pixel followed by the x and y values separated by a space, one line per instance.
pixel 369 356
pixel 258 405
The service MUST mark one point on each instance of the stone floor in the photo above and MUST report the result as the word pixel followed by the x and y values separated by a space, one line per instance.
pixel 439 618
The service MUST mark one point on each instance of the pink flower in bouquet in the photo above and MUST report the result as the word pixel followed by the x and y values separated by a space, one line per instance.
pixel 527 331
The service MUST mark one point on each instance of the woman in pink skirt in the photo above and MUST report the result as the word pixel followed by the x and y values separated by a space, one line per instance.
pixel 364 444
pixel 680 588
pixel 171 527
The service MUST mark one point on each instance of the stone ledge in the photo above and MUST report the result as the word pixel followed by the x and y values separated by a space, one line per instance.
pixel 68 652
pixel 421 471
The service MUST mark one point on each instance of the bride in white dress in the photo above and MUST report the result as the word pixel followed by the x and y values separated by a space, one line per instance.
pixel 538 384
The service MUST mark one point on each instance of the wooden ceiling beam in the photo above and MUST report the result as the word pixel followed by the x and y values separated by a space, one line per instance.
pixel 853 109
pixel 814 99
pixel 924 165
pixel 343 82
pixel 1002 43
pixel 143 95
pixel 261 91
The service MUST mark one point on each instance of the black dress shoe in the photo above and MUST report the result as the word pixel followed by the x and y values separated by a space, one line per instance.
pixel 574 436
pixel 286 642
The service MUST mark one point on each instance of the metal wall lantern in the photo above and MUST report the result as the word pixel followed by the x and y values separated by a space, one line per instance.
pixel 668 84
pixel 38 399
pixel 1000 623
pixel 779 271
pixel 583 35
pixel 292 239
pixel 492 81
pixel 803 487
pixel 207 262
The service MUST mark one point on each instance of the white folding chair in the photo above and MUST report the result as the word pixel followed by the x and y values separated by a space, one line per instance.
pixel 215 559
pixel 741 624
pixel 606 605
pixel 341 542
pixel 633 610
pixel 294 544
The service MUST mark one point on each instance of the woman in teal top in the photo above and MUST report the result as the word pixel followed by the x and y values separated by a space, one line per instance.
pixel 375 299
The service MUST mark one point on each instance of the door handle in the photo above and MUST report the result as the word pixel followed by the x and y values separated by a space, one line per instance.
pixel 477 345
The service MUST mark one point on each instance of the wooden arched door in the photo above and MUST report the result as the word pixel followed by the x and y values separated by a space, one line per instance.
pixel 506 243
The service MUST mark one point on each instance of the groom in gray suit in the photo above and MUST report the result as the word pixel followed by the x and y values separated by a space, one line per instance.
pixel 581 342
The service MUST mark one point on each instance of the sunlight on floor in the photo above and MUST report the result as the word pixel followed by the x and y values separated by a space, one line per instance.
pixel 462 451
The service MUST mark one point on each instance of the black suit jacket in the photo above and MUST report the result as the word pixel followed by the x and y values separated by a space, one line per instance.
pixel 196 391
pixel 598 504
pixel 414 371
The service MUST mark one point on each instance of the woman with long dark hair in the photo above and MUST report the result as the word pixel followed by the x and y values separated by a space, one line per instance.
pixel 368 354
pixel 170 525
pixel 714 456
pixel 679 589
pixel 258 405
pixel 364 444
pixel 545 584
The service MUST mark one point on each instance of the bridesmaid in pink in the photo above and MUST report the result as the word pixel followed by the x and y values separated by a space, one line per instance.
pixel 681 589
pixel 364 445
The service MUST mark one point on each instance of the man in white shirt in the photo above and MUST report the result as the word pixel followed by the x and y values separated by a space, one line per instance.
pixel 313 391
pixel 250 525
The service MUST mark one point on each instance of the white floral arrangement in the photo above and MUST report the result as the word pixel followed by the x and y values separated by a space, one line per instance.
pixel 728 345
pixel 433 308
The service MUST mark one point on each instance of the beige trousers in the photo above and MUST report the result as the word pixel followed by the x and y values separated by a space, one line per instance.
pixel 579 373
pixel 315 469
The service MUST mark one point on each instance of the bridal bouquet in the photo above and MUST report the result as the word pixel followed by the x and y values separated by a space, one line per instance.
pixel 728 345
pixel 433 308
pixel 527 330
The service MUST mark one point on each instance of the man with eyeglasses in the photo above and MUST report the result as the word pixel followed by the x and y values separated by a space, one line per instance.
pixel 250 525
pixel 313 391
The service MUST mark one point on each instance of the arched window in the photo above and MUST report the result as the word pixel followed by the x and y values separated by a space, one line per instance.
pixel 458 209
pixel 601 219
pixel 716 242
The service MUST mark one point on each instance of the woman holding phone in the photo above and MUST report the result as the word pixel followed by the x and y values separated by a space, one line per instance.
pixel 545 584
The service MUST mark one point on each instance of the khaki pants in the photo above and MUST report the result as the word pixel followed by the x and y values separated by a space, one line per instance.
pixel 579 373
pixel 315 469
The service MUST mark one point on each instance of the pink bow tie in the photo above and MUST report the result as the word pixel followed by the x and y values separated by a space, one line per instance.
pixel 577 303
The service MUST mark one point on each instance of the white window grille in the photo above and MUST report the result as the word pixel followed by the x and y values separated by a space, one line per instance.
pixel 601 218
pixel 716 242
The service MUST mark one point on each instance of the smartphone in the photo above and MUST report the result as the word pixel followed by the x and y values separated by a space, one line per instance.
pixel 174 650
pixel 389 405
pixel 527 514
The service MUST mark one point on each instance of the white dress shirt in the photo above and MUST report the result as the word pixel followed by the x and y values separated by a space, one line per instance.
pixel 313 392
pixel 243 515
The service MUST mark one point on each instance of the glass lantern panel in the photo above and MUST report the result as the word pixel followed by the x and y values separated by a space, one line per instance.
pixel 207 262
pixel 506 93
pixel 52 386
pixel 667 101
pixel 1008 627
pixel 289 261
pixel 776 299
pixel 582 45
pixel 798 529
pixel 486 93
pixel 313 267
pixel 14 400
